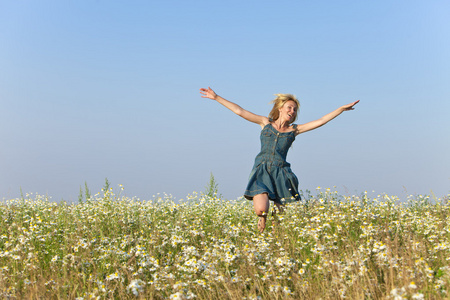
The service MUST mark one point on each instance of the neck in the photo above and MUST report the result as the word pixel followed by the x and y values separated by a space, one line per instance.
pixel 281 123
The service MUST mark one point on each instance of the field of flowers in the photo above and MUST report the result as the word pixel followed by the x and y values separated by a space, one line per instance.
pixel 327 247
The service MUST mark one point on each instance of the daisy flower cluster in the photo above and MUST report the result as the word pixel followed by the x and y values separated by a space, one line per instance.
pixel 328 246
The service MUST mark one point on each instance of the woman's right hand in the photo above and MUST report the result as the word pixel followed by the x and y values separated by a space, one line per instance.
pixel 208 93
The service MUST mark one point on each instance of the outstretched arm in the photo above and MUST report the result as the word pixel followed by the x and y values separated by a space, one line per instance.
pixel 249 116
pixel 325 119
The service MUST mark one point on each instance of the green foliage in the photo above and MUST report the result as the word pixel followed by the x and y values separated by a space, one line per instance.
pixel 212 188
pixel 106 186
pixel 87 193
pixel 80 196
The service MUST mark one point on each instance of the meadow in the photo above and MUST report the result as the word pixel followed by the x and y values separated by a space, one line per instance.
pixel 329 246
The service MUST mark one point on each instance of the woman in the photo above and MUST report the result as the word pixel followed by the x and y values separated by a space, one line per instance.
pixel 271 177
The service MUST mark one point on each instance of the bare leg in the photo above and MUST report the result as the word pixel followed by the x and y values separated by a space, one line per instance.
pixel 278 209
pixel 261 206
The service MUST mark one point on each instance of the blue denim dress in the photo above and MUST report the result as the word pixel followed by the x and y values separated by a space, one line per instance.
pixel 271 172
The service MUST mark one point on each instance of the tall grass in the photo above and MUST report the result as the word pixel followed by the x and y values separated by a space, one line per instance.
pixel 328 247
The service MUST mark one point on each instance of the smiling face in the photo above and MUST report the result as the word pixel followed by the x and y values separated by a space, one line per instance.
pixel 289 111
pixel 285 106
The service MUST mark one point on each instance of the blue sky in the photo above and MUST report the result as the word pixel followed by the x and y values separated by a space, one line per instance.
pixel 109 89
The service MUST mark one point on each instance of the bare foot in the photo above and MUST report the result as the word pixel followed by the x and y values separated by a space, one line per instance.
pixel 261 224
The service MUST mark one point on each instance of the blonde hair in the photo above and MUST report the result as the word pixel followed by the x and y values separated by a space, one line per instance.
pixel 278 103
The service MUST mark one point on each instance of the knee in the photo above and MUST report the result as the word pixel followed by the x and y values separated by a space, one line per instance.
pixel 261 204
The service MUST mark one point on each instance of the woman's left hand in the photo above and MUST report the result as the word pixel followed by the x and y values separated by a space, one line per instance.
pixel 350 106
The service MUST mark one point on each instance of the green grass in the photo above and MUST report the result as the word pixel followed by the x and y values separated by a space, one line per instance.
pixel 330 247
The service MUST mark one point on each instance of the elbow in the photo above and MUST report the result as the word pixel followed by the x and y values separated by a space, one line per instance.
pixel 322 121
pixel 239 111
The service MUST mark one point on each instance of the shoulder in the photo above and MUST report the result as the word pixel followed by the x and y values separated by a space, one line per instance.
pixel 264 122
pixel 297 129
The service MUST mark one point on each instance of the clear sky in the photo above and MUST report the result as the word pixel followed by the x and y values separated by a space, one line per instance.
pixel 110 89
